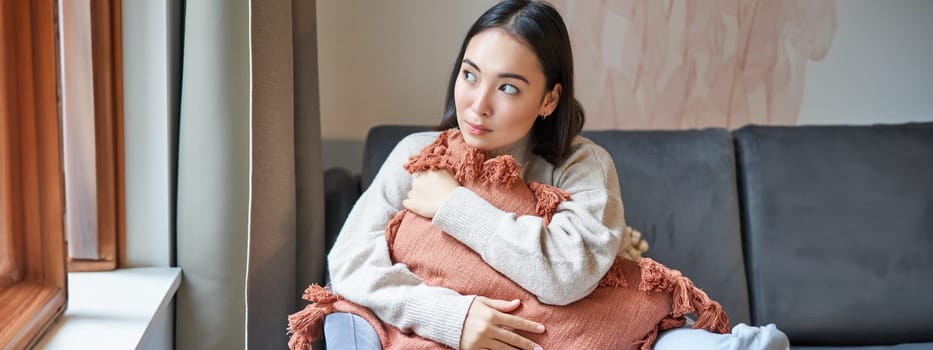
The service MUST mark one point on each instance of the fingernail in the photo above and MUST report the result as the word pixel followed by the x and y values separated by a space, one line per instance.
pixel 538 347
pixel 540 328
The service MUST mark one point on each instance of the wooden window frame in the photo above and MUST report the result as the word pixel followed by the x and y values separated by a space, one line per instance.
pixel 107 76
pixel 31 176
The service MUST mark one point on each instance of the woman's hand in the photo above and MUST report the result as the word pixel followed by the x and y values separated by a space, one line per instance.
pixel 429 190
pixel 489 326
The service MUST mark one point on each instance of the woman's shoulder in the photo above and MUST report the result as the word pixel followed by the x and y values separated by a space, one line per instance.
pixel 586 166
pixel 584 151
pixel 413 143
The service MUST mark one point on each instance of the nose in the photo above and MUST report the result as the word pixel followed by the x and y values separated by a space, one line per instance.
pixel 482 105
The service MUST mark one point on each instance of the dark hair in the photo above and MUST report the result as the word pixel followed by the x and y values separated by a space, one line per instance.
pixel 539 26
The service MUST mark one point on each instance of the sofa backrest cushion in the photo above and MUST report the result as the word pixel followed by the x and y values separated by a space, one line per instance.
pixel 838 225
pixel 679 190
pixel 380 141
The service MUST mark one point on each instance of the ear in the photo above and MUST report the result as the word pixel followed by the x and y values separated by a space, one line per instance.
pixel 551 98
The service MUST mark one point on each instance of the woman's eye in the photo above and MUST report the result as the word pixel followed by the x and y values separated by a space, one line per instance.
pixel 469 76
pixel 509 89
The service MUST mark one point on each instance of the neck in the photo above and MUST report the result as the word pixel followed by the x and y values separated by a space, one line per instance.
pixel 520 150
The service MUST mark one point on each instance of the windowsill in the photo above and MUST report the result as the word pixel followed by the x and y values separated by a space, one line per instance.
pixel 113 309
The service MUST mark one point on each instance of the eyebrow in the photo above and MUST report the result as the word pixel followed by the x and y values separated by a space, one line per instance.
pixel 503 75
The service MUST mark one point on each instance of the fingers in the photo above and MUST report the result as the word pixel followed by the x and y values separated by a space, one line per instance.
pixel 520 324
pixel 434 178
pixel 504 318
pixel 512 340
pixel 504 326
pixel 419 201
pixel 500 305
pixel 429 190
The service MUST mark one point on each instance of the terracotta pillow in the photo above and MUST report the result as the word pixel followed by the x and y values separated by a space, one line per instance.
pixel 633 302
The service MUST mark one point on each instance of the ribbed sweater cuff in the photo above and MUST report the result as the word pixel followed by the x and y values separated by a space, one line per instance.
pixel 441 319
pixel 469 218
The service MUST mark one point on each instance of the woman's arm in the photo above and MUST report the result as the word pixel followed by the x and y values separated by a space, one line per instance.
pixel 559 263
pixel 361 269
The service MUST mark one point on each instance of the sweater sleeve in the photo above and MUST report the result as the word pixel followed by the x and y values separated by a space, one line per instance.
pixel 559 263
pixel 362 271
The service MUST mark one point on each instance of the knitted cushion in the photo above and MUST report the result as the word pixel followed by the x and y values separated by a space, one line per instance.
pixel 633 302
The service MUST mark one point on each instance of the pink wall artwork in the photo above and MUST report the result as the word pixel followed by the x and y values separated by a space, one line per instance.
pixel 679 64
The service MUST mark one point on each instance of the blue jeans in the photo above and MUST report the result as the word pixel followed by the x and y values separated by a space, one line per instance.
pixel 742 337
pixel 346 331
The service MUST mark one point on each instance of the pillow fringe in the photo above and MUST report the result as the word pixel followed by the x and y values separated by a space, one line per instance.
pixel 306 326
pixel 687 298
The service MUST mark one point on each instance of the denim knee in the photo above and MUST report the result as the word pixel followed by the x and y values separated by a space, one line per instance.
pixel 742 337
pixel 348 331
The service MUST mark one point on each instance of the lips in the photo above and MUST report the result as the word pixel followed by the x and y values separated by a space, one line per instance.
pixel 476 129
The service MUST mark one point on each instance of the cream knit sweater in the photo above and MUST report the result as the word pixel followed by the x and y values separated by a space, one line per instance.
pixel 560 263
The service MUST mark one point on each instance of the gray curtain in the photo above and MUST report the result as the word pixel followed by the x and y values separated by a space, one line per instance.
pixel 249 227
pixel 308 157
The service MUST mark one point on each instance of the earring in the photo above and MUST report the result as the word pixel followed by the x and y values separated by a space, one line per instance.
pixel 543 117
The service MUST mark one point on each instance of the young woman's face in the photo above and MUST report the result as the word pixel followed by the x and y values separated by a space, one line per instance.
pixel 500 91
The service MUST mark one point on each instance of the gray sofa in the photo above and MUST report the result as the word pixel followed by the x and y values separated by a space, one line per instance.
pixel 826 231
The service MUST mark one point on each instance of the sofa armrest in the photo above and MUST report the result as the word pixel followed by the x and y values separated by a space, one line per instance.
pixel 341 190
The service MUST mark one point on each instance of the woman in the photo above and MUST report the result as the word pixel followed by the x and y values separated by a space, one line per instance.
pixel 511 92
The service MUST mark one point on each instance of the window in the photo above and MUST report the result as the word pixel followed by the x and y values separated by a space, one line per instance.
pixel 61 155
pixel 32 268
pixel 92 119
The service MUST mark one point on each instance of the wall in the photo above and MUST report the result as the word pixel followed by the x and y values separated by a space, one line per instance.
pixel 151 81
pixel 150 84
pixel 384 62
pixel 724 63
pixel 878 69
